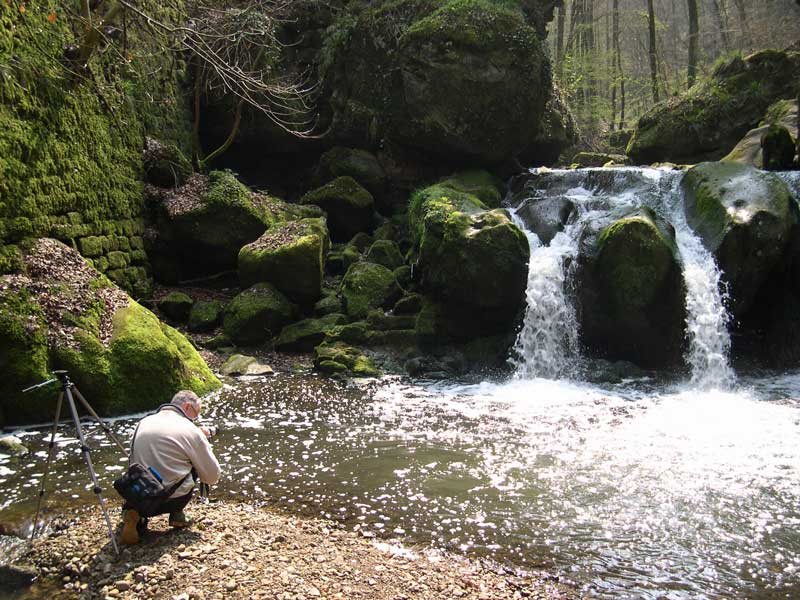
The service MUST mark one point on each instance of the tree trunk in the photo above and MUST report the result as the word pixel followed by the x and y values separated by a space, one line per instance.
pixel 694 34
pixel 746 39
pixel 651 21
pixel 561 16
pixel 722 25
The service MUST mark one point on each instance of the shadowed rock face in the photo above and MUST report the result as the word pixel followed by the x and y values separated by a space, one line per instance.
pixel 745 218
pixel 631 292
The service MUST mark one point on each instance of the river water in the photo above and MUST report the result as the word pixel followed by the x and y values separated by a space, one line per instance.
pixel 683 486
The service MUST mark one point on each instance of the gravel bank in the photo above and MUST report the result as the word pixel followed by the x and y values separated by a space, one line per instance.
pixel 243 551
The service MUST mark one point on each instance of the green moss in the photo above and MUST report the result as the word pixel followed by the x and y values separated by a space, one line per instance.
pixel 289 256
pixel 349 207
pixel 258 313
pixel 204 315
pixel 340 358
pixel 366 286
pixel 481 184
pixel 23 360
pixel 226 190
pixel 304 335
pixel 386 253
pixel 176 306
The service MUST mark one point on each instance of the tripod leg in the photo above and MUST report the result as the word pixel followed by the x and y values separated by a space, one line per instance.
pixel 97 418
pixel 85 451
pixel 50 454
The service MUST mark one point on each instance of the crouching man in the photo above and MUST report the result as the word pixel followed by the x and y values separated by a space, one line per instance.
pixel 171 443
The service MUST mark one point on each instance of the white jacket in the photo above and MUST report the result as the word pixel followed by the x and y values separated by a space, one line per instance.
pixel 172 445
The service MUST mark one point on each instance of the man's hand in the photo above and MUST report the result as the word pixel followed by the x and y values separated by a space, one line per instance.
pixel 209 431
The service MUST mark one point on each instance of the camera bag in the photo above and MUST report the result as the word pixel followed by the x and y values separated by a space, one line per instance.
pixel 142 486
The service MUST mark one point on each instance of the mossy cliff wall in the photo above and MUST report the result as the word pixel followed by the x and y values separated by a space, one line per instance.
pixel 71 146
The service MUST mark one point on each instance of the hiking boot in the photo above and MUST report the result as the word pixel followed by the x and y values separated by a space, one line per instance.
pixel 179 520
pixel 130 529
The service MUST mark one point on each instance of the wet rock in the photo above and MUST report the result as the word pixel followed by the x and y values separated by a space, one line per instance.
pixel 745 218
pixel 367 286
pixel 240 364
pixel 748 150
pixel 359 164
pixel 546 217
pixel 12 446
pixel 304 335
pixel 631 291
pixel 16 577
pixel 386 253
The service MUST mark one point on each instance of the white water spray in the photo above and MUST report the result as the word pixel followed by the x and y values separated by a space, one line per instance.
pixel 548 342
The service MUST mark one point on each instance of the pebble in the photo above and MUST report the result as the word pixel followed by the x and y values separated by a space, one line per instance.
pixel 123 586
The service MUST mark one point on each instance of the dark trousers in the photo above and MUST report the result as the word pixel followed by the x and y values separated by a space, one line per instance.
pixel 170 505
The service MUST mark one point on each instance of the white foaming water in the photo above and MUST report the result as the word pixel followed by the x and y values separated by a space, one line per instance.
pixel 707 319
pixel 547 342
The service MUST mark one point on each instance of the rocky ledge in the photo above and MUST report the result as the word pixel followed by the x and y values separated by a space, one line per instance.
pixel 245 551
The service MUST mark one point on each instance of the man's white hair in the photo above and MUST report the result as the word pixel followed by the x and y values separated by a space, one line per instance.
pixel 186 396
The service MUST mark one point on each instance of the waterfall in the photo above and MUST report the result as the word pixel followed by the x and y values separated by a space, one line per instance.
pixel 547 345
pixel 548 342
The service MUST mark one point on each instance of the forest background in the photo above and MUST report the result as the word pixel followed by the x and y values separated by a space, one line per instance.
pixel 614 59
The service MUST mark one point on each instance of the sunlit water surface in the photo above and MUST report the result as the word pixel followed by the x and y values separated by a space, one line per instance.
pixel 631 491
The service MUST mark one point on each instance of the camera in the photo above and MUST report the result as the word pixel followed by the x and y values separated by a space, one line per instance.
pixel 209 430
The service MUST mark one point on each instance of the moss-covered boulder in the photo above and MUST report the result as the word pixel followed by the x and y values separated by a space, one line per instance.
pixel 464 80
pixel 631 291
pixel 291 257
pixel 349 207
pixel 359 164
pixel 339 358
pixel 777 148
pixel 176 306
pixel 205 315
pixel 598 159
pixel 748 150
pixel 471 260
pixel 164 164
pixel 386 253
pixel 201 226
pixel 257 314
pixel 304 335
pixel 330 303
pixel 59 313
pixel 366 286
pixel 745 218
pixel 709 120
pixel 558 132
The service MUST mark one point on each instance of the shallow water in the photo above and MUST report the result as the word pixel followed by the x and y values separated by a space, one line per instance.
pixel 636 490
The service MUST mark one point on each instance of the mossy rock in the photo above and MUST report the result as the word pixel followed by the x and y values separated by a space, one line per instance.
pixel 366 286
pixel 706 122
pixel 201 227
pixel 558 132
pixel 339 358
pixel 379 321
pixel 339 261
pixel 164 164
pixel 748 150
pixel 257 314
pixel 777 148
pixel 24 360
pixel 546 217
pixel 487 55
pixel 304 335
pixel 631 291
pixel 478 183
pixel 104 339
pixel 386 253
pixel 404 276
pixel 410 304
pixel 361 241
pixel 176 306
pixel 473 260
pixel 745 218
pixel 359 164
pixel 351 333
pixel 349 207
pixel 240 364
pixel 291 257
pixel 329 304
pixel 204 315
pixel 11 445
pixel 598 159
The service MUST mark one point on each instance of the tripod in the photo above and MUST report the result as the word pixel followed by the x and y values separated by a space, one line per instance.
pixel 67 389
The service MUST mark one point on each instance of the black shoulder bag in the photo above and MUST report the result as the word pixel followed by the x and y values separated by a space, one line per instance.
pixel 142 486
